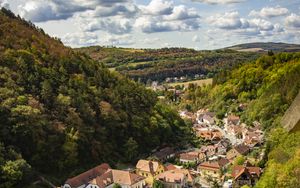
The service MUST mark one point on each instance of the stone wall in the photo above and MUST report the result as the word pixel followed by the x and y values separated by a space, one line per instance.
pixel 291 118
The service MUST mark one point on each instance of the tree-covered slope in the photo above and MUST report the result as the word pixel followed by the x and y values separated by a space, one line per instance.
pixel 262 91
pixel 158 64
pixel 61 112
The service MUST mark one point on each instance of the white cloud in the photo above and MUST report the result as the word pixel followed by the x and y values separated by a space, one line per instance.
pixel 162 16
pixel 269 12
pixel 80 39
pixel 196 38
pixel 41 10
pixel 293 20
pixel 181 12
pixel 117 40
pixel 229 21
pixel 125 9
pixel 115 25
pixel 261 24
pixel 220 1
pixel 4 4
pixel 158 7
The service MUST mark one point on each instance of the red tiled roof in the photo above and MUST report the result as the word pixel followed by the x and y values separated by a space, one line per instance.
pixel 242 149
pixel 170 167
pixel 87 176
pixel 239 170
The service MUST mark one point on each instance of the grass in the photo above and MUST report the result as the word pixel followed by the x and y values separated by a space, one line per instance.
pixel 139 63
pixel 196 82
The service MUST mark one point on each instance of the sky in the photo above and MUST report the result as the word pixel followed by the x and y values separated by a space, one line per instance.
pixel 199 24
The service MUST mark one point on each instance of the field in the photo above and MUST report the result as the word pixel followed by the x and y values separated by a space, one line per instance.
pixel 197 82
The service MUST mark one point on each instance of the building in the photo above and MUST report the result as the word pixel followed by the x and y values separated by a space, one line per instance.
pixel 123 178
pixel 149 169
pixel 189 157
pixel 164 154
pixel 245 175
pixel 205 117
pixel 212 168
pixel 232 119
pixel 103 176
pixel 173 179
pixel 83 179
pixel 235 130
pixel 223 146
pixel 238 150
pixel 209 150
pixel 210 134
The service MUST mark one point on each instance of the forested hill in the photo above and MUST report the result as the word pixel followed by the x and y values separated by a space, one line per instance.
pixel 148 65
pixel 62 113
pixel 266 46
pixel 260 91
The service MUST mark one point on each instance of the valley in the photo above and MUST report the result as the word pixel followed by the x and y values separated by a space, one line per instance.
pixel 111 117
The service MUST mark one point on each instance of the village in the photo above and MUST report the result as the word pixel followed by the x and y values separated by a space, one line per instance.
pixel 228 157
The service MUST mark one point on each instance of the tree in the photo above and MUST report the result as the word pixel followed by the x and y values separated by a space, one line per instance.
pixel 116 185
pixel 239 160
pixel 131 149
pixel 157 184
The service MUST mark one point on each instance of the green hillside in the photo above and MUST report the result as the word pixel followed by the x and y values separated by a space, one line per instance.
pixel 158 64
pixel 265 89
pixel 267 46
pixel 62 113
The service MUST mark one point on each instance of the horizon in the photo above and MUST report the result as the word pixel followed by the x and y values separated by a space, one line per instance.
pixel 155 24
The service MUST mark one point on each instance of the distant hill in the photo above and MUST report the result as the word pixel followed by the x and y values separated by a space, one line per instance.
pixel 160 64
pixel 263 47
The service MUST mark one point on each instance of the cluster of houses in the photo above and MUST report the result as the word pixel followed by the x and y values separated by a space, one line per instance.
pixel 193 167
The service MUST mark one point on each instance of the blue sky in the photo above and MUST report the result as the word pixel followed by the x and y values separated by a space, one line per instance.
pixel 199 24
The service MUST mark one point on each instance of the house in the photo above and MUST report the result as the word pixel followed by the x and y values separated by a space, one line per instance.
pixel 210 134
pixel 165 154
pixel 149 169
pixel 238 150
pixel 222 146
pixel 173 179
pixel 189 157
pixel 253 139
pixel 205 117
pixel 212 168
pixel 83 179
pixel 103 176
pixel 168 178
pixel 209 150
pixel 170 167
pixel 123 178
pixel 187 115
pixel 232 119
pixel 245 175
pixel 235 130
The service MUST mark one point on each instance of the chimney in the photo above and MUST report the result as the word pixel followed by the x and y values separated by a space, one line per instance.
pixel 151 166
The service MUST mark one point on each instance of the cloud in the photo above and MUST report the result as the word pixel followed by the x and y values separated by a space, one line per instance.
pixel 214 2
pixel 45 10
pixel 158 7
pixel 269 12
pixel 229 21
pixel 116 40
pixel 181 12
pixel 125 9
pixel 4 4
pixel 261 24
pixel 111 25
pixel 80 39
pixel 152 25
pixel 293 20
pixel 163 16
pixel 196 38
